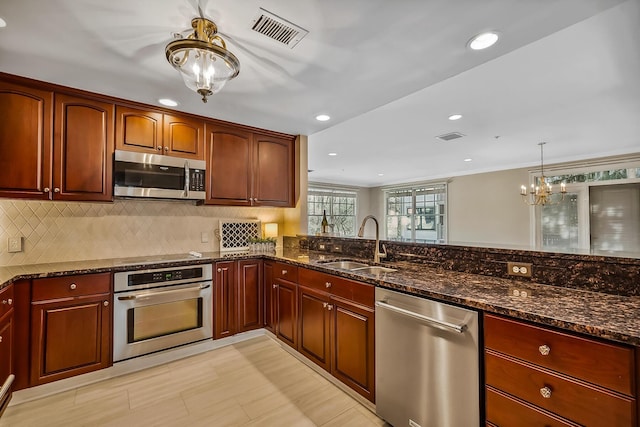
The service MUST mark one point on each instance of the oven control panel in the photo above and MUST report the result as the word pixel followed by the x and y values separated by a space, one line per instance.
pixel 151 277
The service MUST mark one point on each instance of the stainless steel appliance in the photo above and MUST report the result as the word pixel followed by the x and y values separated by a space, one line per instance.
pixel 157 176
pixel 156 309
pixel 427 362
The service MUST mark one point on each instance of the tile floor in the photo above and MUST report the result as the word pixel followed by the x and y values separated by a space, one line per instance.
pixel 251 383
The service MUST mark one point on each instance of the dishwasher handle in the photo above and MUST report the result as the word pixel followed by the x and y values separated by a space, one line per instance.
pixel 439 323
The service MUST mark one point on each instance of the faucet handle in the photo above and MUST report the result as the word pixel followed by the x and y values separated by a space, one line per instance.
pixel 383 253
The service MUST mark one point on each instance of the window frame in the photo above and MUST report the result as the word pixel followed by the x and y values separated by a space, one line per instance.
pixel 316 189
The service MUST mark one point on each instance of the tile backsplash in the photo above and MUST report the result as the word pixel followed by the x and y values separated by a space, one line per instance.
pixel 72 231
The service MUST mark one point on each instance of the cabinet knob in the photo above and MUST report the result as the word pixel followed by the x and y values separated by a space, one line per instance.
pixel 7 301
pixel 46 190
pixel 219 270
pixel 544 350
pixel 159 148
pixel 325 304
pixel 327 284
pixel 256 200
pixel 545 392
pixel 330 307
pixel 106 303
pixel 72 286
pixel 56 190
pixel 166 148
pixel 284 272
pixel 274 286
pixel 0 338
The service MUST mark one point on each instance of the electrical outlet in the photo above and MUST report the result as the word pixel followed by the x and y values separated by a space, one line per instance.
pixel 322 247
pixel 522 269
pixel 15 244
pixel 336 248
pixel 520 292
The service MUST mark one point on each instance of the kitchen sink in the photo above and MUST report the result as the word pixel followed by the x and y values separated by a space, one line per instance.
pixel 345 265
pixel 373 269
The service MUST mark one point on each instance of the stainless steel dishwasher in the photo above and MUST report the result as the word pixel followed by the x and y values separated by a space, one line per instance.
pixel 427 362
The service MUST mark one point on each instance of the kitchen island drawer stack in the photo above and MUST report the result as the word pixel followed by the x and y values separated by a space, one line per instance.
pixel 554 376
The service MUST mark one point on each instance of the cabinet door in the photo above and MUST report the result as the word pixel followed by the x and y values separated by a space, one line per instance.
pixel 352 346
pixel 70 337
pixel 6 356
pixel 224 311
pixel 270 292
pixel 83 149
pixel 25 141
pixel 228 166
pixel 314 322
pixel 138 130
pixel 287 312
pixel 250 300
pixel 183 137
pixel 273 171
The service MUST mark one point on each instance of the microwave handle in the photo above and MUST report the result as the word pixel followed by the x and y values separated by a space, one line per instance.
pixel 186 178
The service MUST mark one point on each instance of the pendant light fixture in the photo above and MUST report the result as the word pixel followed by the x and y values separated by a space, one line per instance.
pixel 540 194
pixel 202 58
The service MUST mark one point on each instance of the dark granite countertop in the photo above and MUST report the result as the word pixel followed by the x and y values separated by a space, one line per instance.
pixel 596 314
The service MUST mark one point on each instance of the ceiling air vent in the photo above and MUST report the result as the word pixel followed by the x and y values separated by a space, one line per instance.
pixel 450 136
pixel 277 28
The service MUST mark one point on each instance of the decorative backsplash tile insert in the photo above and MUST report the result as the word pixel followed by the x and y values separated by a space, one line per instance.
pixel 235 235
pixel 72 231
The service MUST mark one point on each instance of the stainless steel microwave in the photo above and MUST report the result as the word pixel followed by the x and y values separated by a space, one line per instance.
pixel 156 176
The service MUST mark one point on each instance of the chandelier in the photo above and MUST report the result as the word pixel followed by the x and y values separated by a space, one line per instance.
pixel 540 194
pixel 202 58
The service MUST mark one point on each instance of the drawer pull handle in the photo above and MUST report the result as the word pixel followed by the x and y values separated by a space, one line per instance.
pixel 72 286
pixel 327 284
pixel 545 392
pixel 544 350
pixel 7 301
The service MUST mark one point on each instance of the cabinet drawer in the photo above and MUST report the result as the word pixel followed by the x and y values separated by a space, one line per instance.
pixel 6 300
pixel 362 293
pixel 607 365
pixel 71 286
pixel 566 397
pixel 505 411
pixel 285 272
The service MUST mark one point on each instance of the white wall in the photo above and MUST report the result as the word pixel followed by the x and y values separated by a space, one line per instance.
pixel 487 209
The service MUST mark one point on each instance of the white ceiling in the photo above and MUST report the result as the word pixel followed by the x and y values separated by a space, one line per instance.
pixel 388 72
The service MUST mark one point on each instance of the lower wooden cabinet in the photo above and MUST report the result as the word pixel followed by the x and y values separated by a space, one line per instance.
pixel 286 312
pixel 71 330
pixel 224 300
pixel 538 376
pixel 336 322
pixel 6 346
pixel 250 295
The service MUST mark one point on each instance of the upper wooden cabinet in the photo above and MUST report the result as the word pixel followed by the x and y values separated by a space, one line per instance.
pixel 25 141
pixel 249 169
pixel 153 132
pixel 83 149
pixel 73 165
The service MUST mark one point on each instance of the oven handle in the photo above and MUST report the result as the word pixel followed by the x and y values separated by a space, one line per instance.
pixel 150 294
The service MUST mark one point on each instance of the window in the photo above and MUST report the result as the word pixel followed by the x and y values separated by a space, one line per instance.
pixel 340 206
pixel 599 213
pixel 417 214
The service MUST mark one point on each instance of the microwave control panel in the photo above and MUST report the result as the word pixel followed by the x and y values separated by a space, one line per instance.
pixel 196 180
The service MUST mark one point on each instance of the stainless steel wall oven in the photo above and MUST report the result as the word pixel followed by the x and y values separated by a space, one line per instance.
pixel 157 309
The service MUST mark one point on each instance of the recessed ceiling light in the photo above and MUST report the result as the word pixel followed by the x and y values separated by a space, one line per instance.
pixel 380 174
pixel 322 117
pixel 455 117
pixel 468 160
pixel 3 23
pixel 168 102
pixel 333 154
pixel 484 40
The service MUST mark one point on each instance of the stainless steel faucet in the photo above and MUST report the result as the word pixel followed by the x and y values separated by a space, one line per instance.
pixel 377 254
